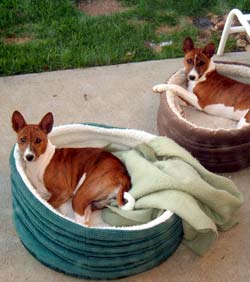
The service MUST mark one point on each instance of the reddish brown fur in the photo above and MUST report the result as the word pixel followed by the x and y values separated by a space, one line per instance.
pixel 106 176
pixel 105 173
pixel 30 134
pixel 201 57
pixel 216 89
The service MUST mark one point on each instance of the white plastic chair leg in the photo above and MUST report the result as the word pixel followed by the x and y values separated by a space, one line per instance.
pixel 245 26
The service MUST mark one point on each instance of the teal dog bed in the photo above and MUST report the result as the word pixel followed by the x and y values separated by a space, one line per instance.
pixel 89 252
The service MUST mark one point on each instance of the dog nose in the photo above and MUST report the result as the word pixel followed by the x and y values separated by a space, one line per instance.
pixel 29 158
pixel 192 77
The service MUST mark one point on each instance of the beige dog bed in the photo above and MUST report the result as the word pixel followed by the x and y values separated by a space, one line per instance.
pixel 213 140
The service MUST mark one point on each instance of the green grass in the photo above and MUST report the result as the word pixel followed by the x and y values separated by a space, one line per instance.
pixel 61 37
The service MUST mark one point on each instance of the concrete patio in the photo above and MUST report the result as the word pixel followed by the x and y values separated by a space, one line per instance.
pixel 118 95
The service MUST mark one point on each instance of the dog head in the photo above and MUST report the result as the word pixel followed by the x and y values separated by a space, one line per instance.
pixel 32 138
pixel 197 60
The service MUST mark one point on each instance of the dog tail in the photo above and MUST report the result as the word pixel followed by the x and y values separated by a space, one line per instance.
pixel 130 202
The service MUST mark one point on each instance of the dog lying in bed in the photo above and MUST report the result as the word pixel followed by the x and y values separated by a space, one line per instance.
pixel 209 91
pixel 89 177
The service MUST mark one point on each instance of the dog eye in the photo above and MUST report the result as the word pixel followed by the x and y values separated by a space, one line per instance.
pixel 189 61
pixel 23 139
pixel 201 63
pixel 38 140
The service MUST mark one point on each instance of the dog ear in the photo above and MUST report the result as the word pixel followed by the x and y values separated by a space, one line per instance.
pixel 46 123
pixel 209 50
pixel 188 45
pixel 18 121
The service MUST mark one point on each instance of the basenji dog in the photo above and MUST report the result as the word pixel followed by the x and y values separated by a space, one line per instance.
pixel 209 91
pixel 90 177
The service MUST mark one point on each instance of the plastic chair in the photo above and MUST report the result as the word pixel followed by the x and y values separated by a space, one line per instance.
pixel 228 28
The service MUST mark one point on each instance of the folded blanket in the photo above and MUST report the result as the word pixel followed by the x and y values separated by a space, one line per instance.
pixel 166 177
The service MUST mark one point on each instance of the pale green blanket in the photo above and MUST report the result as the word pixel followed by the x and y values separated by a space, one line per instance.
pixel 166 177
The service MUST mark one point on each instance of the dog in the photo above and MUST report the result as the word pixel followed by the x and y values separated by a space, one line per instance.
pixel 209 91
pixel 91 177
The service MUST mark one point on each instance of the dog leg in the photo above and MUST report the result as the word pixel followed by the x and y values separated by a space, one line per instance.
pixel 57 200
pixel 84 219
pixel 181 92
pixel 159 88
pixel 101 185
pixel 87 214
pixel 79 218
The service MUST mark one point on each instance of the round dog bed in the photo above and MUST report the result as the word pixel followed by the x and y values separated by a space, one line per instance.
pixel 214 141
pixel 89 252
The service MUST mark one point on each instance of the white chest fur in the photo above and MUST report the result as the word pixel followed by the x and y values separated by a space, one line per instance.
pixel 35 170
pixel 191 85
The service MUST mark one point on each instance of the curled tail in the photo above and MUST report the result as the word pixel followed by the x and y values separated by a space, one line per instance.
pixel 130 202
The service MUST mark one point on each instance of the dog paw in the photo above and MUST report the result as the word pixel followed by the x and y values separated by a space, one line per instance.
pixel 80 219
pixel 160 88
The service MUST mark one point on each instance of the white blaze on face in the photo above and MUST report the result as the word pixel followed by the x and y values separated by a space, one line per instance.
pixel 193 74
pixel 28 154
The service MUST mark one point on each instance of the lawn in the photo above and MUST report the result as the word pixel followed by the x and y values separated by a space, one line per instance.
pixel 44 35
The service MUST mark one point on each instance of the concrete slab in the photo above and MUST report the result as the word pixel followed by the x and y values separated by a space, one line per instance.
pixel 121 96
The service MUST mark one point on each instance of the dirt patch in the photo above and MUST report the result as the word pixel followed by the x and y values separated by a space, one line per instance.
pixel 101 7
pixel 165 29
pixel 12 39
